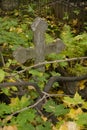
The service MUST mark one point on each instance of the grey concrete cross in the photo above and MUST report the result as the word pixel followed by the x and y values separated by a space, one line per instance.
pixel 39 27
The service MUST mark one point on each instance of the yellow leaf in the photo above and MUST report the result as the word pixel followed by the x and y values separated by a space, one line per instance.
pixel 16 13
pixel 54 128
pixel 74 31
pixel 44 118
pixel 60 92
pixel 73 101
pixel 81 84
pixel 19 30
pixel 63 127
pixel 12 29
pixel 11 80
pixel 4 128
pixel 10 128
pixel 31 87
pixel 69 126
pixel 75 21
pixel 73 113
pixel 84 105
pixel 8 118
pixel 14 103
pixel 2 75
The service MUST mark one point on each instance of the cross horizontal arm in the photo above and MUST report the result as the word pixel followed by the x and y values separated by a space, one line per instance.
pixel 56 47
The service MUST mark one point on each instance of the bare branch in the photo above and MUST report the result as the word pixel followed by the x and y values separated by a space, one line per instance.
pixel 32 106
pixel 50 62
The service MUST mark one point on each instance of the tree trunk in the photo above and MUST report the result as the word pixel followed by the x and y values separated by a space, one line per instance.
pixel 9 5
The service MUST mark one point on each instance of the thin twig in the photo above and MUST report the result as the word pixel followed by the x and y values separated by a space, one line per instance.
pixel 2 58
pixel 54 95
pixel 50 62
pixel 32 106
pixel 46 95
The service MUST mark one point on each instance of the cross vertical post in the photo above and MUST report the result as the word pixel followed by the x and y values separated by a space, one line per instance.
pixel 39 28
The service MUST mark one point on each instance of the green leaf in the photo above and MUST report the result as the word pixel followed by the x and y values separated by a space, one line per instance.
pixel 66 34
pixel 82 119
pixel 26 127
pixel 25 116
pixel 17 104
pixel 2 75
pixel 30 9
pixel 49 38
pixel 29 34
pixel 50 106
pixel 44 126
pixel 61 110
pixel 58 110
pixel 73 101
pixel 6 91
pixel 36 73
pixel 4 109
pixel 76 11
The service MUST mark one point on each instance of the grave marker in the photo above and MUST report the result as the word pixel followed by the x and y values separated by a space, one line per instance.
pixel 40 50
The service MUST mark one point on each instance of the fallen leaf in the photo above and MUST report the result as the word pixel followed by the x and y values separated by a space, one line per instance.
pixel 10 127
pixel 44 118
pixel 74 113
pixel 69 126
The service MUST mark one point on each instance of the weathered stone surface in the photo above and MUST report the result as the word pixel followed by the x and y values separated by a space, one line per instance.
pixel 40 49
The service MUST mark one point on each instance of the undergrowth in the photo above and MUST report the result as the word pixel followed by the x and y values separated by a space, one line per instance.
pixel 17 114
